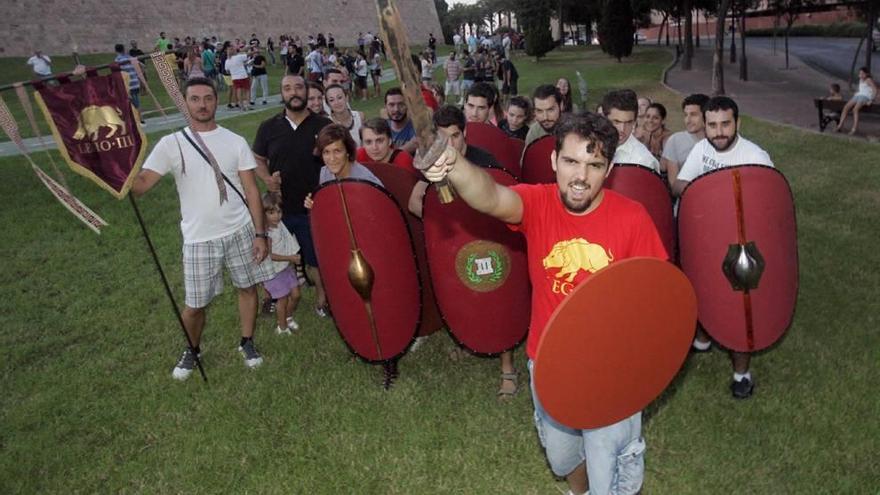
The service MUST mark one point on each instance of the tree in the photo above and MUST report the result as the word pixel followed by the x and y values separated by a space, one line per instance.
pixel 688 35
pixel 445 24
pixel 534 18
pixel 791 10
pixel 718 57
pixel 616 29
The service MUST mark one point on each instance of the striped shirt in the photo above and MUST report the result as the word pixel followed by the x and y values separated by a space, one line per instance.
pixel 124 62
pixel 453 70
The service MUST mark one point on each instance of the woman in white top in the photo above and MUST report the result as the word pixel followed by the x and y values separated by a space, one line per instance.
pixel 865 96
pixel 340 112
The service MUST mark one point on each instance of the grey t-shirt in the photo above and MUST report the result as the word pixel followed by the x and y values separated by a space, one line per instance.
pixel 358 171
pixel 679 146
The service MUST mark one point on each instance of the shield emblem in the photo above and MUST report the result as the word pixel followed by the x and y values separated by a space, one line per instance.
pixel 400 183
pixel 381 327
pixel 645 186
pixel 614 344
pixel 505 149
pixel 480 274
pixel 738 245
pixel 536 167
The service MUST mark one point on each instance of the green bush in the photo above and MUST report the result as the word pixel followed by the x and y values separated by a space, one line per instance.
pixel 835 30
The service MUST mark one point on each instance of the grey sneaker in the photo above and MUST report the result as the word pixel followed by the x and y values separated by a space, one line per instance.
pixel 252 357
pixel 185 365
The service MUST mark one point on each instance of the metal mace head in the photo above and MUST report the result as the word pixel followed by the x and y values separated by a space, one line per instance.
pixel 743 266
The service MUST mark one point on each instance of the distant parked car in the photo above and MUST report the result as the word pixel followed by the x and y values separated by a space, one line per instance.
pixel 639 37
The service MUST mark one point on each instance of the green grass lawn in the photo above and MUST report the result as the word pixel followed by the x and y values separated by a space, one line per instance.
pixel 88 404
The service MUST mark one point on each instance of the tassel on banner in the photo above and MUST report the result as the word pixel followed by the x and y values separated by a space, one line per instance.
pixel 136 63
pixel 29 111
pixel 73 205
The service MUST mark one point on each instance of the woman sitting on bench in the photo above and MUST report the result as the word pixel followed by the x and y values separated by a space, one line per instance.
pixel 865 96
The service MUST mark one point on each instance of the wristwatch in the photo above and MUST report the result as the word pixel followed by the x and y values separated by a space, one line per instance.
pixel 262 234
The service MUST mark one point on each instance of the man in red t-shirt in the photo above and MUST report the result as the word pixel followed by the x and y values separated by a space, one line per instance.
pixel 376 146
pixel 576 211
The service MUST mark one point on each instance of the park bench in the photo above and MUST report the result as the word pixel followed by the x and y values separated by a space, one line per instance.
pixel 830 110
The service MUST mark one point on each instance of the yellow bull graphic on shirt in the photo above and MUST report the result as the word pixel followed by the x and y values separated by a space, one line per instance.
pixel 574 255
pixel 94 117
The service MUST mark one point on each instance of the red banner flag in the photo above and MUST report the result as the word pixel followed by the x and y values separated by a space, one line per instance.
pixel 96 129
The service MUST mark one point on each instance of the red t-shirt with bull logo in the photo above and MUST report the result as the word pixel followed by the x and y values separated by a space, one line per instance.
pixel 564 249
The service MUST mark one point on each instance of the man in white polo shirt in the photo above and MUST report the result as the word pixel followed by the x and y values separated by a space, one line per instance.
pixel 621 108
pixel 722 147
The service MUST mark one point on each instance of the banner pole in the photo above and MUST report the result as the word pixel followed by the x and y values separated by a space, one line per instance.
pixel 140 219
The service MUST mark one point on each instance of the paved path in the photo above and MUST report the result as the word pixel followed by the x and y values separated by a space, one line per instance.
pixel 175 120
pixel 833 56
pixel 772 92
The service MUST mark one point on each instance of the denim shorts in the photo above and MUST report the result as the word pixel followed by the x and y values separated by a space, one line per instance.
pixel 614 454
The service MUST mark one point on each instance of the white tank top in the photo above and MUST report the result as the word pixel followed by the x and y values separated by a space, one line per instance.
pixel 865 89
pixel 355 128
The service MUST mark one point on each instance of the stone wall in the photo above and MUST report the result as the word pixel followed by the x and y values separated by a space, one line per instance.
pixel 94 26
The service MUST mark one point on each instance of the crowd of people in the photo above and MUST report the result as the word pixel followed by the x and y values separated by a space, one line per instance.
pixel 318 138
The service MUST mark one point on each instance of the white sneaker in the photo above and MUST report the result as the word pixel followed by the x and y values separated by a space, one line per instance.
pixel 292 324
pixel 282 331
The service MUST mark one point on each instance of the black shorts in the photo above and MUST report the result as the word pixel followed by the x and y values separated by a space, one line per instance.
pixel 377 72
pixel 360 82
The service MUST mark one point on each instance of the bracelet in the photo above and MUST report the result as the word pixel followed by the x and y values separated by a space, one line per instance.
pixel 262 235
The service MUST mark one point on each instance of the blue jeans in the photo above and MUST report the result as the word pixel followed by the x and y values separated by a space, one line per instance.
pixel 614 454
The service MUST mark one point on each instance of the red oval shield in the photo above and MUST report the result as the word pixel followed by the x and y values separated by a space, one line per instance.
pixel 644 185
pixel 536 166
pixel 615 343
pixel 496 142
pixel 727 208
pixel 381 235
pixel 480 273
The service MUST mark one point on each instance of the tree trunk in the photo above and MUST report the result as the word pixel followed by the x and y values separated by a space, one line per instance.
pixel 660 31
pixel 743 64
pixel 688 36
pixel 697 36
pixel 678 31
pixel 667 29
pixel 733 34
pixel 718 58
pixel 852 69
pixel 787 29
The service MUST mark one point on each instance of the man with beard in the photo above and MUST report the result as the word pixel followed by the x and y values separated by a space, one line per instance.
pixel 284 148
pixel 680 144
pixel 216 231
pixel 575 208
pixel 403 134
pixel 621 108
pixel 722 147
pixel 546 99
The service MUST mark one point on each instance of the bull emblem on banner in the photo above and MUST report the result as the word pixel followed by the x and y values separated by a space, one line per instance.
pixel 94 117
pixel 575 255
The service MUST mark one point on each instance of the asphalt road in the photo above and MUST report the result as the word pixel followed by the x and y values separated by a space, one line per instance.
pixel 833 56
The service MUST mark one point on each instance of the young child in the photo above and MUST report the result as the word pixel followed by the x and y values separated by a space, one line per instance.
pixel 834 93
pixel 284 287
